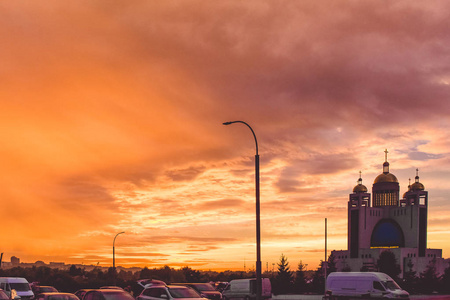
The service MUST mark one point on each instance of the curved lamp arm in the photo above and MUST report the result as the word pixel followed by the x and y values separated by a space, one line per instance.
pixel 256 142
pixel 116 237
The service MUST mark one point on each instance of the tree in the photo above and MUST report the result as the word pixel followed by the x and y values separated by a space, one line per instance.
pixel 410 279
pixel 145 274
pixel 191 275
pixel 318 280
pixel 283 279
pixel 428 280
pixel 445 281
pixel 74 271
pixel 387 263
pixel 300 278
pixel 331 264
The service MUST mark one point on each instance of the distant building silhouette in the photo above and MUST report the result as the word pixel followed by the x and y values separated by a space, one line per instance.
pixel 388 222
pixel 39 263
pixel 15 261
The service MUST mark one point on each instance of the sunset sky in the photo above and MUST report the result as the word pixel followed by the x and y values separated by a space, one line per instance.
pixel 111 120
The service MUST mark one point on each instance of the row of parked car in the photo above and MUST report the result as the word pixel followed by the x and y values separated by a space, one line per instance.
pixel 15 288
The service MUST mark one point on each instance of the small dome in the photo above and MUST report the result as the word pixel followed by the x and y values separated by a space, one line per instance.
pixel 404 194
pixel 417 186
pixel 360 188
pixel 389 177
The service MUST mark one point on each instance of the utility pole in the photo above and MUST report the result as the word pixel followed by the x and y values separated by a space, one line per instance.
pixel 325 261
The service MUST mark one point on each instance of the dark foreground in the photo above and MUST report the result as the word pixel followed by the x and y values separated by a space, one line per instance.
pixel 319 297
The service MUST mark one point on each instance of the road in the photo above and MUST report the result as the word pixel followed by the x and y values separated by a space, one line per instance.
pixel 319 297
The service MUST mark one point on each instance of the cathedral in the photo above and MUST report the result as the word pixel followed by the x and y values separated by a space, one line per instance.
pixel 385 221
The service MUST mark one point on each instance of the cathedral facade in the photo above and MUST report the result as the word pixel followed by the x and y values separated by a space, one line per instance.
pixel 385 221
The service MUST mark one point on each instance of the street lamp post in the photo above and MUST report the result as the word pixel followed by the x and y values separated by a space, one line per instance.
pixel 114 256
pixel 258 222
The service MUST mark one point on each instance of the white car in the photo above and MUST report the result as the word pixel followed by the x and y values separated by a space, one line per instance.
pixel 169 292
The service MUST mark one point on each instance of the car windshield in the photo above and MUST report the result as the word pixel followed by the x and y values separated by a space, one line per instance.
pixel 204 287
pixel 391 285
pixel 80 294
pixel 182 292
pixel 62 297
pixel 47 289
pixel 3 295
pixel 20 286
pixel 117 295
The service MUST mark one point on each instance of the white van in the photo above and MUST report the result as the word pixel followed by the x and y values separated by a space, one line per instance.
pixel 246 289
pixel 16 286
pixel 363 284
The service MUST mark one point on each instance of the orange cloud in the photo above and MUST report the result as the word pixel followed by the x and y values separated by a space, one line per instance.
pixel 111 120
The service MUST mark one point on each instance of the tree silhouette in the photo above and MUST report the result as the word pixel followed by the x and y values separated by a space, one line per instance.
pixel 300 278
pixel 331 264
pixel 445 281
pixel 74 271
pixel 387 263
pixel 410 279
pixel 428 280
pixel 191 275
pixel 145 274
pixel 283 279
pixel 318 281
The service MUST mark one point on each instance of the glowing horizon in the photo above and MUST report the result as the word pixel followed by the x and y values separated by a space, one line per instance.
pixel 112 117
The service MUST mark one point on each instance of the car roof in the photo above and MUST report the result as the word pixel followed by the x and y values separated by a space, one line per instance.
pixel 167 286
pixel 51 293
pixel 55 293
pixel 150 281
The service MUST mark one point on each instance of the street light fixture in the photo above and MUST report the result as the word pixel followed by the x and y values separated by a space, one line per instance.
pixel 258 223
pixel 114 256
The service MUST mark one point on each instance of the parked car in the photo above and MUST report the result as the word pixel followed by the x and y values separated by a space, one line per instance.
pixel 141 284
pixel 56 296
pixel 3 295
pixel 80 293
pixel 107 294
pixel 168 292
pixel 204 289
pixel 246 288
pixel 221 285
pixel 16 286
pixel 111 287
pixel 39 289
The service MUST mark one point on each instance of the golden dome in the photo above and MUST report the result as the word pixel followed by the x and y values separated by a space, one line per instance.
pixel 360 188
pixel 417 186
pixel 389 177
pixel 409 189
